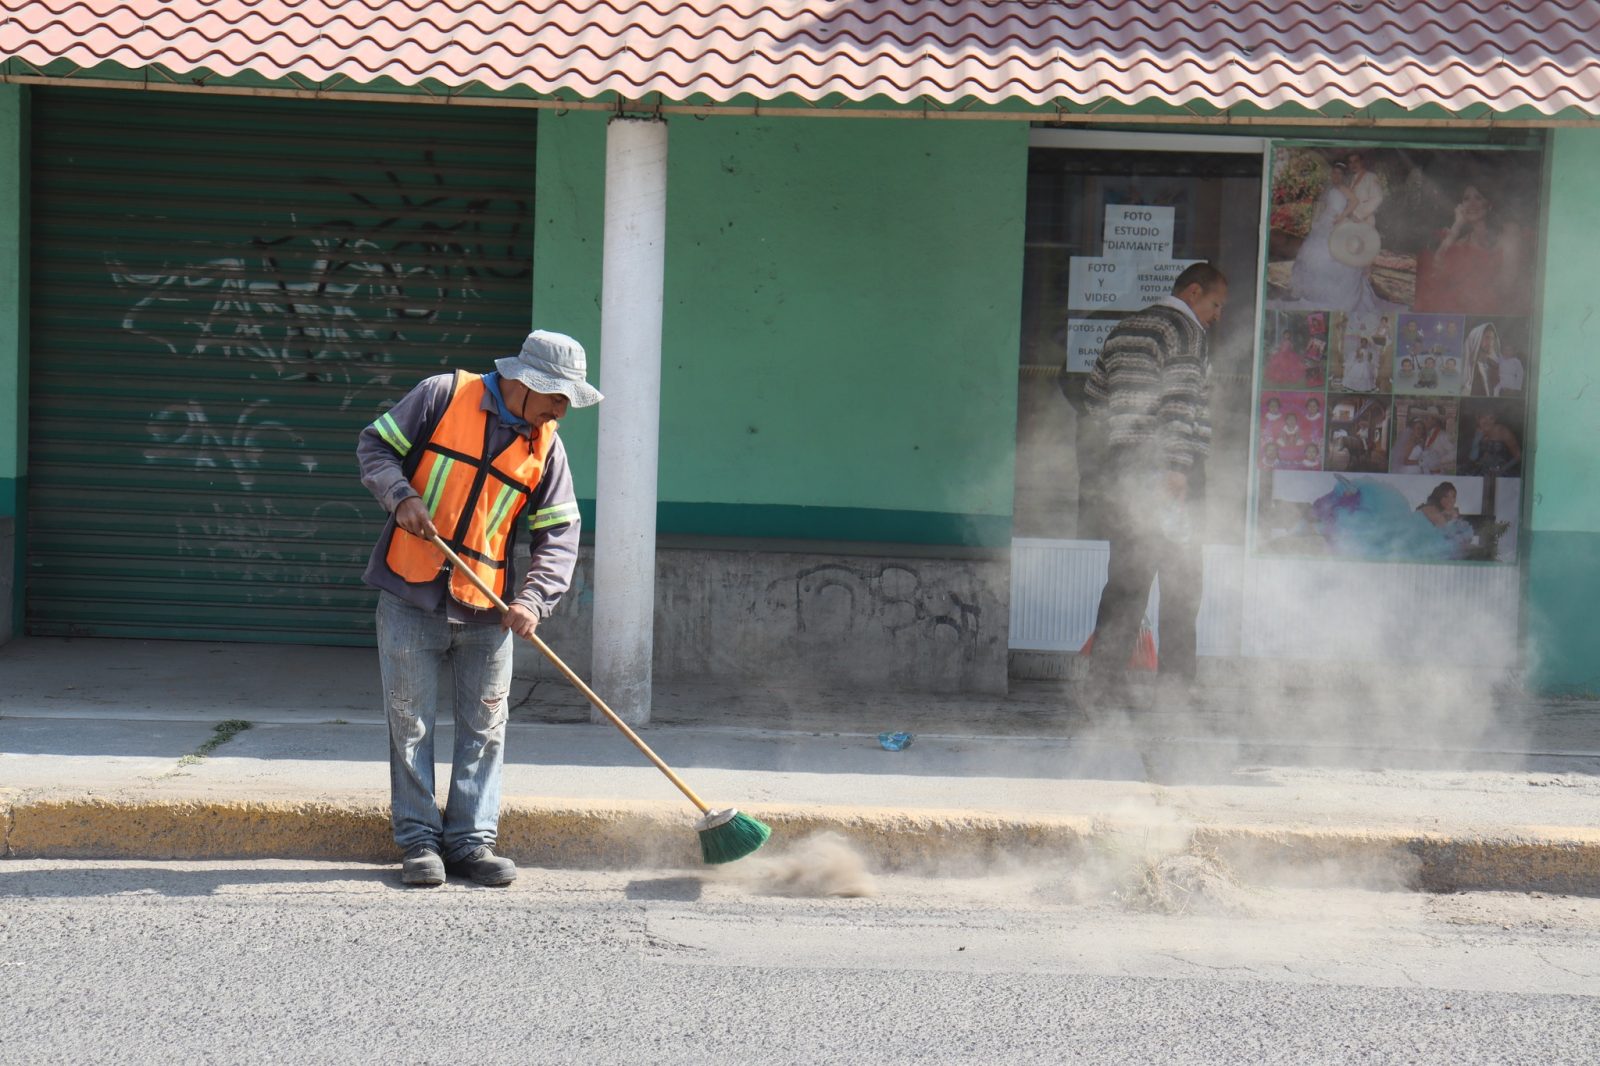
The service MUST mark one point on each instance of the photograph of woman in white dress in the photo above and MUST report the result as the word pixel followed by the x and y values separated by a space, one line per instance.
pixel 1363 353
pixel 1360 367
pixel 1483 360
pixel 1324 277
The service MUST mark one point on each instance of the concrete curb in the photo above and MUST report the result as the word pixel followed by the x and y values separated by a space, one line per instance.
pixel 1548 859
pixel 551 833
pixel 576 835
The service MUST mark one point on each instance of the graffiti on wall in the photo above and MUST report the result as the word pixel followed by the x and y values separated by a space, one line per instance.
pixel 833 600
pixel 331 299
pixel 184 433
pixel 349 306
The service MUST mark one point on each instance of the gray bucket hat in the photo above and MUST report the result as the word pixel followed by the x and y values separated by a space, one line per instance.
pixel 550 363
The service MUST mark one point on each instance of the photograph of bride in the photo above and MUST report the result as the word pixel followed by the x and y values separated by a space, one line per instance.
pixel 1328 245
pixel 1370 229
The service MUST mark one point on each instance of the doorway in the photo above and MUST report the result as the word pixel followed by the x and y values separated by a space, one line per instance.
pixel 1111 219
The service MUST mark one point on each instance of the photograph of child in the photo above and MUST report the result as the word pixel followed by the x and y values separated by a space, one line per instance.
pixel 1290 430
pixel 1361 350
pixel 1429 355
pixel 1358 435
pixel 1314 422
pixel 1296 350
pixel 1425 436
pixel 1428 373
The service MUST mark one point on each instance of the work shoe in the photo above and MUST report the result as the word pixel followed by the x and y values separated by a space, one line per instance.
pixel 482 865
pixel 422 866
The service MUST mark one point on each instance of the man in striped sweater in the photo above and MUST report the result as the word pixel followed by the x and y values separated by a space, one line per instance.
pixel 1148 409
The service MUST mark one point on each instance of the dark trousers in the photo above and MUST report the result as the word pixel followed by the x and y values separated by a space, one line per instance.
pixel 1140 553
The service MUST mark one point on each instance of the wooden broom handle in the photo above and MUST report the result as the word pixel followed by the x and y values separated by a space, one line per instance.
pixel 577 681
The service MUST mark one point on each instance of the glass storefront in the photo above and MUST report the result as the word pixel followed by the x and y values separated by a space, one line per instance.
pixel 1369 383
pixel 1107 231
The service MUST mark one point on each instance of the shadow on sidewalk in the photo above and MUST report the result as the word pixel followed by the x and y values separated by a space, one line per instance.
pixel 97 739
pixel 160 699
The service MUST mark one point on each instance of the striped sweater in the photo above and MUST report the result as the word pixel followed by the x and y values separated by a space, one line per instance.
pixel 1148 391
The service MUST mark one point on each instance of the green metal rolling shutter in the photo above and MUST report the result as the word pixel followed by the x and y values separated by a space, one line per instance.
pixel 225 291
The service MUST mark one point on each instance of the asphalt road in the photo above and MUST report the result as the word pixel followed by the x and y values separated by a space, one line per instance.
pixel 301 962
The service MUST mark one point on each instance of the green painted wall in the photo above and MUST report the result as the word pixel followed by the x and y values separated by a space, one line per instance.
pixel 841 321
pixel 569 213
pixel 1563 639
pixel 1564 545
pixel 14 254
pixel 13 296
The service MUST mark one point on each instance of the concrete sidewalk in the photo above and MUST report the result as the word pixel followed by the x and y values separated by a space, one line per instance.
pixel 111 748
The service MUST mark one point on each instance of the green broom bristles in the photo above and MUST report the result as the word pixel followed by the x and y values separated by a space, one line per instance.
pixel 728 835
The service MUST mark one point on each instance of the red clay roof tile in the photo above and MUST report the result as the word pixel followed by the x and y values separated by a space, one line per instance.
pixel 1525 53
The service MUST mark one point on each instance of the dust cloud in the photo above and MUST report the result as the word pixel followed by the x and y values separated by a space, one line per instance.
pixel 822 864
pixel 1321 667
pixel 1333 672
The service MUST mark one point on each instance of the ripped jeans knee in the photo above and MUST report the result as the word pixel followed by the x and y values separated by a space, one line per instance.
pixel 486 719
pixel 405 722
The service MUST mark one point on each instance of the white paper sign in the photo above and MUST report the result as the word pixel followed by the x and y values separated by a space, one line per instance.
pixel 1155 279
pixel 1138 232
pixel 1084 340
pixel 1135 268
pixel 1096 283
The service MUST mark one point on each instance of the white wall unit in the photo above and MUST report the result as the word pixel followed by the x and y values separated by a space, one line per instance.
pixel 1285 608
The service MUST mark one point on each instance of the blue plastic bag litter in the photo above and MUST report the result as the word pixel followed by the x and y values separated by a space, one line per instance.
pixel 895 741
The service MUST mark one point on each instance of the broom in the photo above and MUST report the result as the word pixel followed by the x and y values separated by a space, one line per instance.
pixel 725 835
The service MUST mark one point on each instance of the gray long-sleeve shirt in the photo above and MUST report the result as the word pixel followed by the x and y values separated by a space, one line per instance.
pixel 551 513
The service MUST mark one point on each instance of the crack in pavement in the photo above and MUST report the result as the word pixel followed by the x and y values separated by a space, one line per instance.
pixel 662 945
pixel 1557 966
pixel 1403 972
pixel 526 699
pixel 1208 966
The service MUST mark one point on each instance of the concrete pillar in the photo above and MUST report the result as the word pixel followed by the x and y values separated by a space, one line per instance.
pixel 632 278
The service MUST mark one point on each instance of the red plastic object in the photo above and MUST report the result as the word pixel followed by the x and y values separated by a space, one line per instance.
pixel 1144 652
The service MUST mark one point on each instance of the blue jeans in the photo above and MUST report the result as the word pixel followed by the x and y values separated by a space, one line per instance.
pixel 422 654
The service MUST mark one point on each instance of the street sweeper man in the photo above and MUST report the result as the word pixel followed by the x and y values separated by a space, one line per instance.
pixel 473 459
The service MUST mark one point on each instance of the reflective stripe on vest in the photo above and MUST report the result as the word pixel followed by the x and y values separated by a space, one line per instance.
pixel 560 514
pixel 471 497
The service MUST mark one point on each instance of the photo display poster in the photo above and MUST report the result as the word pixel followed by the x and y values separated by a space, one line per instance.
pixel 1396 353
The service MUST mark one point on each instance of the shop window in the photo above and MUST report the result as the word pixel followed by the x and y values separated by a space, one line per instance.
pixel 1107 230
pixel 1397 349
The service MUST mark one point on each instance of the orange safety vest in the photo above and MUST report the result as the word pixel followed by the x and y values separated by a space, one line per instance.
pixel 471 495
